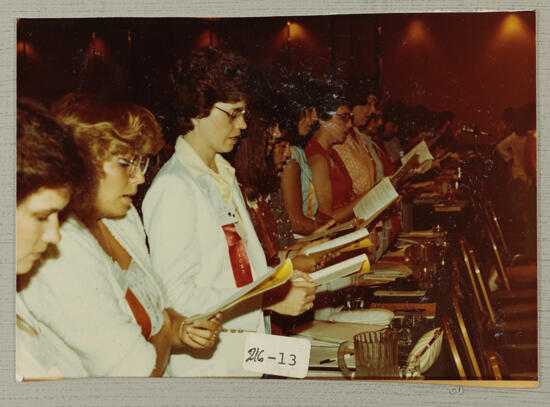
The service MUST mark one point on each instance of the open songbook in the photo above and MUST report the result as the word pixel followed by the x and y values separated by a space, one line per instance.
pixel 333 244
pixel 425 158
pixel 376 200
pixel 270 280
pixel 341 269
pixel 417 161
pixel 384 194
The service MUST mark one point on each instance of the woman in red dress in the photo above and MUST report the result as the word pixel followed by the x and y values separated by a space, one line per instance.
pixel 331 180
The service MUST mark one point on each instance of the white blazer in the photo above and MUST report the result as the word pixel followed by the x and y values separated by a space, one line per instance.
pixel 80 295
pixel 43 356
pixel 189 251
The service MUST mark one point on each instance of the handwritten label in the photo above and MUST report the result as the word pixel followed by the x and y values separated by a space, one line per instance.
pixel 276 355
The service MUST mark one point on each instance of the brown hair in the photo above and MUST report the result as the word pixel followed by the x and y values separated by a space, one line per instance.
pixel 331 98
pixel 104 128
pixel 46 154
pixel 254 170
pixel 210 76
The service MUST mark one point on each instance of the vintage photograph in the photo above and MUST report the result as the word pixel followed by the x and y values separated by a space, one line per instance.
pixel 341 197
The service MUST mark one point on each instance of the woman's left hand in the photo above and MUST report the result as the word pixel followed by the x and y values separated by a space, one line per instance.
pixel 300 248
pixel 200 334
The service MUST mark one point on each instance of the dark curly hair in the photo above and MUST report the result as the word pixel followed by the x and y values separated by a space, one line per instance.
pixel 210 76
pixel 46 154
pixel 332 97
pixel 299 92
pixel 358 90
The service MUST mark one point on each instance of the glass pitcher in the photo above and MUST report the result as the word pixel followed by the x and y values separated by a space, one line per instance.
pixel 376 355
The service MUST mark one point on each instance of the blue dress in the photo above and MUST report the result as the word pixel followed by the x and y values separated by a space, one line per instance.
pixel 306 178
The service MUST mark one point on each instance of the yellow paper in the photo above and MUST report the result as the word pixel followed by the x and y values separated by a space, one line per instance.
pixel 365 268
pixel 279 277
pixel 361 244
pixel 272 280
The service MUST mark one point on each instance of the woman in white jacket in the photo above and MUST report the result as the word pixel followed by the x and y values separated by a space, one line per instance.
pixel 49 169
pixel 203 244
pixel 99 294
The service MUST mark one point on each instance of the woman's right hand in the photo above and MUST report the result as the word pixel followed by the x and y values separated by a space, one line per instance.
pixel 299 297
pixel 200 334
pixel 323 219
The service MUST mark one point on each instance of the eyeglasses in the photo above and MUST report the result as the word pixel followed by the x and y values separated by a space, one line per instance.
pixel 138 162
pixel 346 116
pixel 234 115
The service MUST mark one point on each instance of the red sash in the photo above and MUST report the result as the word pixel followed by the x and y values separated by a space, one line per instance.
pixel 141 316
pixel 237 253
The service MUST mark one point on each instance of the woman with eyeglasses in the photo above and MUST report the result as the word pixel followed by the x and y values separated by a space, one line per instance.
pixel 367 121
pixel 49 170
pixel 331 181
pixel 203 244
pixel 359 162
pixel 99 293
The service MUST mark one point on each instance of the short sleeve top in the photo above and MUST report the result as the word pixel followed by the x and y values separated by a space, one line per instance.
pixel 342 189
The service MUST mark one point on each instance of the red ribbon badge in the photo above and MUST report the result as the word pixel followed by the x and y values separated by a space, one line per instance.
pixel 237 253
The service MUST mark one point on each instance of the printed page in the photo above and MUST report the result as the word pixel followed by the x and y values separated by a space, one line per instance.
pixel 376 200
pixel 424 156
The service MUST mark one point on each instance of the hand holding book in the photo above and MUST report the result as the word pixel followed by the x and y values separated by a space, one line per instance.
pixel 342 269
pixel 293 298
pixel 376 201
pixel 270 280
pixel 200 334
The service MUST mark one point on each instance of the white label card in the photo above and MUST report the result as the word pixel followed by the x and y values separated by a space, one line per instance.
pixel 276 355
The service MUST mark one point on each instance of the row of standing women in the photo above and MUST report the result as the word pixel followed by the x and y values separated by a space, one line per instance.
pixel 112 298
pixel 95 297
pixel 101 303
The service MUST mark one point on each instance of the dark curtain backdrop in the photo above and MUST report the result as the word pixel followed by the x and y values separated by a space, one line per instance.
pixel 474 64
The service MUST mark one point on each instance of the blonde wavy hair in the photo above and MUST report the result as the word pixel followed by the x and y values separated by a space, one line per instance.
pixel 105 128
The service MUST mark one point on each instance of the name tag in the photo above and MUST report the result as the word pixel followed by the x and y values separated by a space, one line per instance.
pixel 276 355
